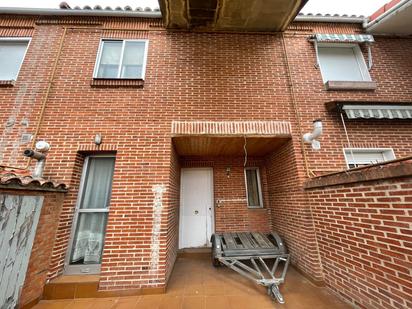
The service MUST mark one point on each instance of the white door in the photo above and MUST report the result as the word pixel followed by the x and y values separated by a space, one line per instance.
pixel 196 208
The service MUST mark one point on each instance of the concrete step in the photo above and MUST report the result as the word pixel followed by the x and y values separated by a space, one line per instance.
pixel 203 252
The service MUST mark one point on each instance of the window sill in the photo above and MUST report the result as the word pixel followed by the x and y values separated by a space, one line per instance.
pixel 7 83
pixel 345 85
pixel 116 83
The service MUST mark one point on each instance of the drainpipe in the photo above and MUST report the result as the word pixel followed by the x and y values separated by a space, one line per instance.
pixel 294 103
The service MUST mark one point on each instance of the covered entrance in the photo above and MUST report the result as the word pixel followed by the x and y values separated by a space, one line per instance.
pixel 223 180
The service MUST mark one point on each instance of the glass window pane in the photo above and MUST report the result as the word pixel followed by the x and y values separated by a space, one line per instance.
pixel 339 64
pixel 11 58
pixel 132 66
pixel 252 185
pixel 98 182
pixel 110 59
pixel 89 238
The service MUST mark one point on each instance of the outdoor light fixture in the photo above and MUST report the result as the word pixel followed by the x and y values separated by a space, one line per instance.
pixel 98 139
pixel 311 138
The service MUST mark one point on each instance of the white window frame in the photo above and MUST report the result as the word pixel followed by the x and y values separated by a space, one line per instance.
pixel 259 187
pixel 387 153
pixel 17 39
pixel 360 59
pixel 99 55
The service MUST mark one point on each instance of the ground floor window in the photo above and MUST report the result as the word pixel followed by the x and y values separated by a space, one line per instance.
pixel 253 187
pixel 85 251
pixel 356 157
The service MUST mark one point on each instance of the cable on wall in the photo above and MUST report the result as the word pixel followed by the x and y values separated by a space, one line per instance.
pixel 245 150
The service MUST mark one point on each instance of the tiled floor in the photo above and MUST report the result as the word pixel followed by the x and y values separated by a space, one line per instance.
pixel 196 284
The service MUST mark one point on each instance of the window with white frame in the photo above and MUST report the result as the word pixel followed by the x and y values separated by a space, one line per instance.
pixel 342 62
pixel 253 187
pixel 123 59
pixel 356 157
pixel 12 52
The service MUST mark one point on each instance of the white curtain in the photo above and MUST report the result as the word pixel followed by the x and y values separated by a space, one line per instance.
pixel 133 60
pixel 89 239
pixel 110 59
pixel 252 187
pixel 91 226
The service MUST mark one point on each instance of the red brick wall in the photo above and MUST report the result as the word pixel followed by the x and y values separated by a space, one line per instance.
pixel 40 257
pixel 290 212
pixel 172 231
pixel 189 76
pixel 365 241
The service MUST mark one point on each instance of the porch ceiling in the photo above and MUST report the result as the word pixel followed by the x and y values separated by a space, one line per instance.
pixel 238 15
pixel 226 146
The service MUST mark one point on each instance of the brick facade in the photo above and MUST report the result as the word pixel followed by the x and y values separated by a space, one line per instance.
pixel 189 77
pixel 364 237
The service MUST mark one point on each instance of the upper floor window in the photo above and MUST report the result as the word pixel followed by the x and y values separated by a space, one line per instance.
pixel 124 59
pixel 12 52
pixel 253 187
pixel 356 157
pixel 342 62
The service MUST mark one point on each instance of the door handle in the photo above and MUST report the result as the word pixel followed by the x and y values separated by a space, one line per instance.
pixel 196 212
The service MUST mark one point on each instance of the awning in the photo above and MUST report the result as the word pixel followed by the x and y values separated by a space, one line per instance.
pixel 377 111
pixel 342 38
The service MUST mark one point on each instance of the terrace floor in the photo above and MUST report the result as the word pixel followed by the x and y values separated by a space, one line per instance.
pixel 196 284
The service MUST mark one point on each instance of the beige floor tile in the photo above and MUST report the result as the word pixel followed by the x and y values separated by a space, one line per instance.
pixel 81 304
pixel 214 290
pixel 171 302
pixel 103 303
pixel 149 301
pixel 217 302
pixel 53 304
pixel 126 303
pixel 193 302
pixel 194 290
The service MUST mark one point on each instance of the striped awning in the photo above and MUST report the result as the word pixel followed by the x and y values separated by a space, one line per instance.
pixel 342 38
pixel 378 111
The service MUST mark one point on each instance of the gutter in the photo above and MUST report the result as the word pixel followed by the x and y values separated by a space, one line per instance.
pixel 76 12
pixel 330 19
pixel 387 14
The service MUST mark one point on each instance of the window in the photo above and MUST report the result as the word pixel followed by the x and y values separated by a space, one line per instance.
pixel 342 62
pixel 90 218
pixel 12 52
pixel 125 59
pixel 356 157
pixel 253 188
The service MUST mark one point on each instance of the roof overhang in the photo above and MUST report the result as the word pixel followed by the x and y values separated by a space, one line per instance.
pixel 79 12
pixel 230 15
pixel 229 138
pixel 394 17
pixel 372 110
